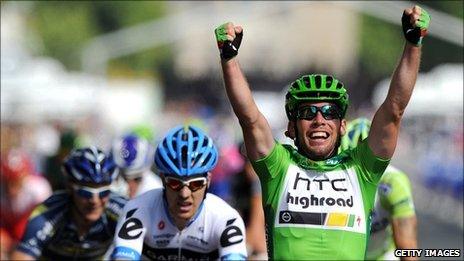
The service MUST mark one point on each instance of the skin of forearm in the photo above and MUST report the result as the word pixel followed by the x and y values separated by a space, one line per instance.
pixel 403 80
pixel 239 93
pixel 405 234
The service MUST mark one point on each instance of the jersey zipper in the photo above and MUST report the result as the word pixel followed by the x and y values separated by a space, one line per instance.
pixel 179 241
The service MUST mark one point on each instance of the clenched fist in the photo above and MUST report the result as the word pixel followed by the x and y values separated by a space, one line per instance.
pixel 228 39
pixel 415 23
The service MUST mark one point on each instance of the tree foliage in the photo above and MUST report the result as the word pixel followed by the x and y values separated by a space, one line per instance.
pixel 66 26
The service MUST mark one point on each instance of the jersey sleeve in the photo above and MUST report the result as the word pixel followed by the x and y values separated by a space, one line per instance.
pixel 38 231
pixel 271 165
pixel 130 233
pixel 396 195
pixel 371 165
pixel 232 241
pixel 271 171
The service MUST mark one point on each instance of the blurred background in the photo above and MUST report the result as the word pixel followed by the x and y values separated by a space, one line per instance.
pixel 79 73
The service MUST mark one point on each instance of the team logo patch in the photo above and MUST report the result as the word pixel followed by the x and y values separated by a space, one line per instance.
pixel 232 234
pixel 384 188
pixel 132 227
pixel 329 200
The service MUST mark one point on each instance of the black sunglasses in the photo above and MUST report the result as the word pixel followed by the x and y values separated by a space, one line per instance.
pixel 329 112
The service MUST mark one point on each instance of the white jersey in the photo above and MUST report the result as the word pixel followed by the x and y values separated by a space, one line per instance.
pixel 146 231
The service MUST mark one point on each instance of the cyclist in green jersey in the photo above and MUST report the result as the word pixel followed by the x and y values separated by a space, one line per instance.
pixel 393 224
pixel 317 202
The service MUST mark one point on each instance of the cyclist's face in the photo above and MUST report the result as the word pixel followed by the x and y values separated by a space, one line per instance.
pixel 133 185
pixel 184 203
pixel 90 206
pixel 319 137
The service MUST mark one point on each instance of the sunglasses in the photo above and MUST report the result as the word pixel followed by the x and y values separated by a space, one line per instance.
pixel 193 184
pixel 329 112
pixel 88 192
pixel 136 179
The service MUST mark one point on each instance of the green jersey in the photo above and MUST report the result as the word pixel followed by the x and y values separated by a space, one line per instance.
pixel 393 200
pixel 318 209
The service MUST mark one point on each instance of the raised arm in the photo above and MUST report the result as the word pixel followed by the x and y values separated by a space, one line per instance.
pixel 386 123
pixel 256 131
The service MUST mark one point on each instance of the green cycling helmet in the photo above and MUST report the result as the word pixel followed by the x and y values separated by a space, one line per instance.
pixel 356 131
pixel 315 88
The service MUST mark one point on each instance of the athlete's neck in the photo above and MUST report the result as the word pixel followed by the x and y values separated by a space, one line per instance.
pixel 83 225
pixel 180 223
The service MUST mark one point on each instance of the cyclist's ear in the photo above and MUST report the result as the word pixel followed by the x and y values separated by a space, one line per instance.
pixel 342 127
pixel 290 130
pixel 208 178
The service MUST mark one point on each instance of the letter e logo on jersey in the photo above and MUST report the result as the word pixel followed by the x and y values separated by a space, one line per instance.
pixel 131 229
pixel 231 235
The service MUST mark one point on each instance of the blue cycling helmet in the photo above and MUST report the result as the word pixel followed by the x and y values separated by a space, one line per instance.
pixel 89 165
pixel 133 155
pixel 186 151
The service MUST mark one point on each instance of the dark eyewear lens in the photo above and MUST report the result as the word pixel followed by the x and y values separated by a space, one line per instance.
pixel 136 179
pixel 193 184
pixel 329 112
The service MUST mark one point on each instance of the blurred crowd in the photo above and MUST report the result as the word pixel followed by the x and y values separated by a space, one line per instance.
pixel 32 154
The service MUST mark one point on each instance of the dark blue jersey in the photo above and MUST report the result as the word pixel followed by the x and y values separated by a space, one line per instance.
pixel 52 234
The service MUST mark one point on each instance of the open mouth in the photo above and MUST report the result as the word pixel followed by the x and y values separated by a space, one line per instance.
pixel 319 135
pixel 184 206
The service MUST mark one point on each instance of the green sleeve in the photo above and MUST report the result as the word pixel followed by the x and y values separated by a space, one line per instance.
pixel 372 166
pixel 273 164
pixel 271 171
pixel 395 194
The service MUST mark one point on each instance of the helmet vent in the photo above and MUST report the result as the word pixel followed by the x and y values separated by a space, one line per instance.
pixel 295 85
pixel 208 157
pixel 184 157
pixel 328 81
pixel 339 85
pixel 307 95
pixel 306 81
pixel 317 95
pixel 318 80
